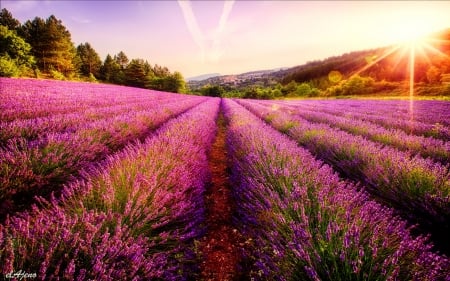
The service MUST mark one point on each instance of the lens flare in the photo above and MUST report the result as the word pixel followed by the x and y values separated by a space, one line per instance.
pixel 412 57
pixel 334 76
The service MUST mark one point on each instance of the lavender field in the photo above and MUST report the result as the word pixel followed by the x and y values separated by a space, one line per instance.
pixel 104 182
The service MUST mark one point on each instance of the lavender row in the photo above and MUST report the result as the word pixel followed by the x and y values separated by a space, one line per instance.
pixel 29 168
pixel 303 223
pixel 89 111
pixel 136 219
pixel 418 187
pixel 30 98
pixel 407 124
pixel 437 149
pixel 426 111
pixel 31 129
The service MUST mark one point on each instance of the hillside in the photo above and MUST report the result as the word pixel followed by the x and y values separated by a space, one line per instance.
pixel 387 63
pixel 386 68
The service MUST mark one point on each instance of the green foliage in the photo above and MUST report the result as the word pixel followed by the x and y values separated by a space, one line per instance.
pixel 37 73
pixel 212 91
pixel 385 86
pixel 121 59
pixel 8 67
pixel 136 74
pixel 356 85
pixel 321 69
pixel 109 70
pixel 260 93
pixel 57 75
pixel 14 53
pixel 47 45
pixel 92 78
pixel 290 88
pixel 175 83
pixel 233 94
pixel 304 89
pixel 90 61
pixel 51 44
pixel 6 19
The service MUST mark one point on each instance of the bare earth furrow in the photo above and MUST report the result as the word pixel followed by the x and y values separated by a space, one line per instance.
pixel 219 247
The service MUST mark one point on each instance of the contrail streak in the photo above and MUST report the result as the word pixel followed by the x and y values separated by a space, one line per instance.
pixel 214 52
pixel 192 25
pixel 217 47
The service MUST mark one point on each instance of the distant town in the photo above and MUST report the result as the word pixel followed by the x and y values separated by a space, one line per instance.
pixel 253 78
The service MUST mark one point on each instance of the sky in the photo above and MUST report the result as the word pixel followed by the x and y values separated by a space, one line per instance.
pixel 232 37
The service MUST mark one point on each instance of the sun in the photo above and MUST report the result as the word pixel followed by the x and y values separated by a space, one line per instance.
pixel 410 33
pixel 409 25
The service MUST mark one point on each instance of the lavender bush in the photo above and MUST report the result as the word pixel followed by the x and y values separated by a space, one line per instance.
pixel 137 218
pixel 419 187
pixel 38 159
pixel 427 118
pixel 436 149
pixel 31 98
pixel 303 223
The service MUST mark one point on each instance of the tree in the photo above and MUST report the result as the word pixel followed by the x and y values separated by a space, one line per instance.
pixel 304 89
pixel 51 44
pixel 433 74
pixel 212 91
pixel 290 88
pixel 175 83
pixel 121 59
pixel 161 71
pixel 109 69
pixel 6 19
pixel 14 53
pixel 135 74
pixel 34 32
pixel 90 61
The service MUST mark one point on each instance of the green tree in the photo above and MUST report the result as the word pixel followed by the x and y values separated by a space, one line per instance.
pixel 290 88
pixel 303 90
pixel 51 44
pixel 14 53
pixel 212 90
pixel 34 33
pixel 175 83
pixel 161 71
pixel 136 74
pixel 90 61
pixel 109 69
pixel 6 19
pixel 122 60
pixel 157 83
pixel 358 85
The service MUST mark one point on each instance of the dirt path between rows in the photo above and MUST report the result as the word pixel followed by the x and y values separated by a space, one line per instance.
pixel 220 247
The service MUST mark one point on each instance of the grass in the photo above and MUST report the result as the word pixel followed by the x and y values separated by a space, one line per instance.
pixel 421 92
pixel 384 96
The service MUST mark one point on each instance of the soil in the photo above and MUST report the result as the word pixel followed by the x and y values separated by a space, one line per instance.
pixel 220 247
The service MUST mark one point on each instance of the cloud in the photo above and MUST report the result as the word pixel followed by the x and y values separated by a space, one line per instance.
pixel 80 20
pixel 209 52
pixel 20 6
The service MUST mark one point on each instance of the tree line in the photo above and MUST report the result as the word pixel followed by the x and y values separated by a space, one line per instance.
pixel 43 48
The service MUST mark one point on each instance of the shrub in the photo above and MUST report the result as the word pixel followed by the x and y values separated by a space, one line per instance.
pixel 92 78
pixel 8 67
pixel 57 75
